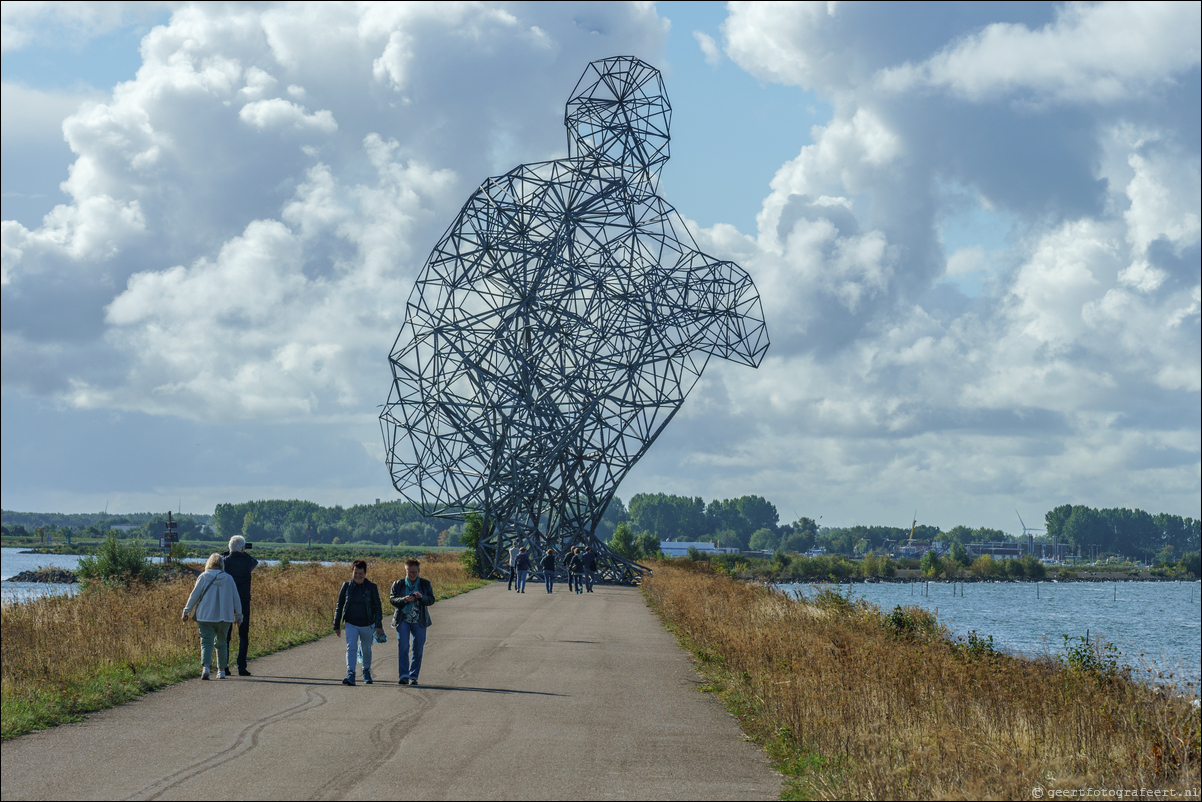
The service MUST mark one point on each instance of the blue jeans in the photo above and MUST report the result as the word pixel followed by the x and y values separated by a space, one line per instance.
pixel 409 670
pixel 588 581
pixel 356 636
pixel 549 576
pixel 522 581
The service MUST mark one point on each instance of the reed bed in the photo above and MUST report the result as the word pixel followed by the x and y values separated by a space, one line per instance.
pixel 853 703
pixel 63 657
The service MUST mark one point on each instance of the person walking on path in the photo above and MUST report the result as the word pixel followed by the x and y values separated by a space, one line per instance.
pixel 360 609
pixel 411 597
pixel 215 599
pixel 575 571
pixel 522 565
pixel 239 564
pixel 588 562
pixel 547 564
pixel 513 555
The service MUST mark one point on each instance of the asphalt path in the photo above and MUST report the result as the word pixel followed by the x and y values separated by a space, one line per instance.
pixel 522 696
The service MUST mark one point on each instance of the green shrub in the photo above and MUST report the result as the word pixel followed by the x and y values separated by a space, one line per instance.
pixel 473 530
pixel 1098 659
pixel 117 563
pixel 910 622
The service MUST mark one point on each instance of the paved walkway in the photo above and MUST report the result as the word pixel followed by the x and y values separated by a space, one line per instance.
pixel 523 697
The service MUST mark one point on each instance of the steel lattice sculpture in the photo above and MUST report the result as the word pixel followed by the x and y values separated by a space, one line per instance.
pixel 556 328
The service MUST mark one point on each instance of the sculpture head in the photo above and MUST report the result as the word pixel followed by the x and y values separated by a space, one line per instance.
pixel 619 114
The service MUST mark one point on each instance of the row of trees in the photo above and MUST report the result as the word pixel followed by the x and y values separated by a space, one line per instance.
pixel 1135 533
pixel 390 523
pixel 59 521
pixel 149 529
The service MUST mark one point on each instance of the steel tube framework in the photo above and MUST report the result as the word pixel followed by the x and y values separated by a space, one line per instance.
pixel 556 328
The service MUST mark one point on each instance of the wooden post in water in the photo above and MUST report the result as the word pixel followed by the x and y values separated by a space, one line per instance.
pixel 1037 590
pixel 1116 592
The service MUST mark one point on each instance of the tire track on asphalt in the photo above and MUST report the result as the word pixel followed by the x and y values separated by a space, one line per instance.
pixel 246 741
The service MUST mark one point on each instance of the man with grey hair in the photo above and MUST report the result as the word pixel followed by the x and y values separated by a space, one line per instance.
pixel 239 564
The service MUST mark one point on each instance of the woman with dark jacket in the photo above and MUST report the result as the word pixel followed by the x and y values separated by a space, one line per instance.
pixel 547 564
pixel 411 597
pixel 576 571
pixel 359 607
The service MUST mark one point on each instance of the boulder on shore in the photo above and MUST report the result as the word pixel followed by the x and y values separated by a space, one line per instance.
pixel 57 575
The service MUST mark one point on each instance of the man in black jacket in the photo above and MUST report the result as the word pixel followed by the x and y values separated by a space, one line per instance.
pixel 588 561
pixel 359 607
pixel 239 564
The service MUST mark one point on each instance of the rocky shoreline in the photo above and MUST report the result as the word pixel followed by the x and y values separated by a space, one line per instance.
pixel 59 576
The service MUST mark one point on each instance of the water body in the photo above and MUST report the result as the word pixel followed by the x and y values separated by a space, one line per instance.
pixel 13 562
pixel 1155 625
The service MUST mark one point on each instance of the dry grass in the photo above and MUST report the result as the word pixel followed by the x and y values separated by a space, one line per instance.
pixel 63 657
pixel 851 706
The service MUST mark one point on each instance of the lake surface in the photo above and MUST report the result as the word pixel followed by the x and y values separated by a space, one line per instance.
pixel 1155 625
pixel 13 562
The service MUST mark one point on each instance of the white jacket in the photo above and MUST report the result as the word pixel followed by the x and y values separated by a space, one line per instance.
pixel 220 602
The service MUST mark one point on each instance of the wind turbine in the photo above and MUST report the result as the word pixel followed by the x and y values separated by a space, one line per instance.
pixel 1026 536
pixel 1026 528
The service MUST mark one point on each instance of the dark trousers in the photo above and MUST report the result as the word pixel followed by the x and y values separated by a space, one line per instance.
pixel 588 581
pixel 512 575
pixel 243 635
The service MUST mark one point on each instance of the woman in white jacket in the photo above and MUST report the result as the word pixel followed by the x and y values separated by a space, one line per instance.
pixel 215 599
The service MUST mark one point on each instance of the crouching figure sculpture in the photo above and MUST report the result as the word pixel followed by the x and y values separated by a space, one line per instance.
pixel 556 328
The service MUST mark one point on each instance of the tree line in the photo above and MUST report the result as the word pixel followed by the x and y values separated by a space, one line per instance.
pixel 1135 533
pixel 396 523
pixel 749 522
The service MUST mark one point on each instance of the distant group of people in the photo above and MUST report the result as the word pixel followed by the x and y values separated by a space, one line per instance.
pixel 580 564
pixel 221 598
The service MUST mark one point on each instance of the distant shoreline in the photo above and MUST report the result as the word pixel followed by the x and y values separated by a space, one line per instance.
pixel 1080 576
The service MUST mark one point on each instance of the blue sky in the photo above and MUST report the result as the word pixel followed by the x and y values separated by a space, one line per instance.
pixel 975 228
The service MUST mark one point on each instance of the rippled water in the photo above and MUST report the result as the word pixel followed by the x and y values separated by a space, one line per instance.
pixel 1155 625
pixel 13 562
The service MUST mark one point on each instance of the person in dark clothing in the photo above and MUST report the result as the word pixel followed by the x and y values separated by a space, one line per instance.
pixel 411 596
pixel 239 564
pixel 575 571
pixel 522 565
pixel 547 564
pixel 588 561
pixel 360 609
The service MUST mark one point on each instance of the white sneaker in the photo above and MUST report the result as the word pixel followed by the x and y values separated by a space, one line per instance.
pixel 220 674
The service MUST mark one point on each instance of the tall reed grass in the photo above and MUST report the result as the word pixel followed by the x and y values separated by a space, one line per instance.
pixel 853 703
pixel 63 657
